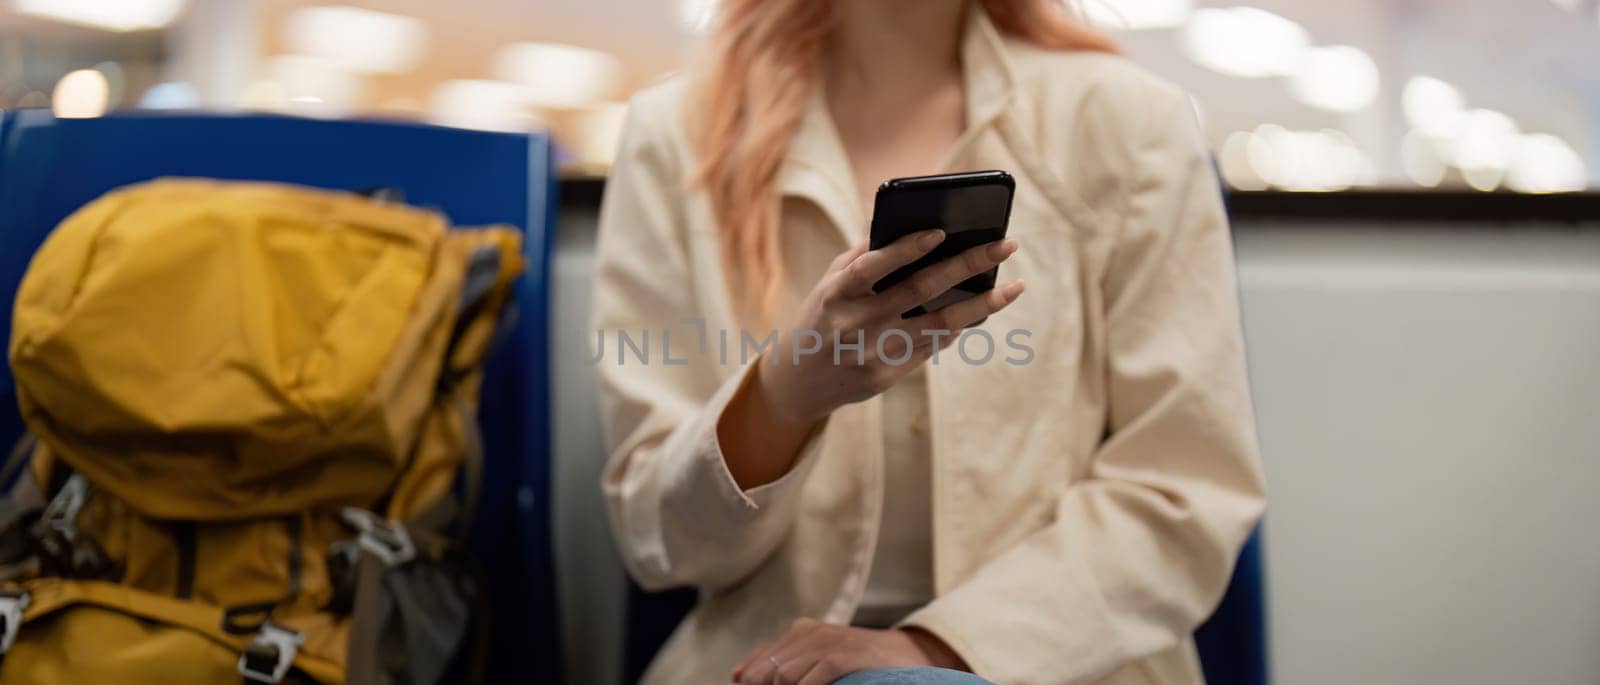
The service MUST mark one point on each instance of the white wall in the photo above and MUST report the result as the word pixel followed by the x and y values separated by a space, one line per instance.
pixel 1429 405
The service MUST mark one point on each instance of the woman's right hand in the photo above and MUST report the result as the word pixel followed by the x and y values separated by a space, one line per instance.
pixel 797 383
pixel 843 312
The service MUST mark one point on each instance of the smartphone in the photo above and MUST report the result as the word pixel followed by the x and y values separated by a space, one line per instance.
pixel 972 208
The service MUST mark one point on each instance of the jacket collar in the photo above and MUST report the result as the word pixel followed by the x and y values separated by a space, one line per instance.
pixel 817 167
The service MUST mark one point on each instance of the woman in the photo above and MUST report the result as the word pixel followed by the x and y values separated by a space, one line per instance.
pixel 1066 517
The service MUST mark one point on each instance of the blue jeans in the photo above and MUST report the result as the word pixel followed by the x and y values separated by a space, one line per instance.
pixel 911 676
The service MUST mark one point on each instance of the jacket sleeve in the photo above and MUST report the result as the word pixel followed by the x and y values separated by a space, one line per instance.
pixel 678 516
pixel 1140 551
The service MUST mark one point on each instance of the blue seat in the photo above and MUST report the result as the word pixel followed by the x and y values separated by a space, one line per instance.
pixel 51 167
pixel 1233 642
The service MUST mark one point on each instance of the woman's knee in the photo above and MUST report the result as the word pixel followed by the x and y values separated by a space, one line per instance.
pixel 911 676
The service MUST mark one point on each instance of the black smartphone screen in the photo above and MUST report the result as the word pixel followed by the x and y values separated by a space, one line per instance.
pixel 972 208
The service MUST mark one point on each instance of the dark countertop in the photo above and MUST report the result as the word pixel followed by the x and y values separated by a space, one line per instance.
pixel 1400 205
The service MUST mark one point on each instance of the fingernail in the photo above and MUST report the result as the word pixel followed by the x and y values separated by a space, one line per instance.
pixel 1012 290
pixel 1002 249
pixel 931 240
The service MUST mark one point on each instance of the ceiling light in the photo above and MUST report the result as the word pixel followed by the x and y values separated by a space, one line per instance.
pixel 1338 78
pixel 1432 105
pixel 357 39
pixel 559 75
pixel 1258 150
pixel 1543 163
pixel 1234 159
pixel 481 104
pixel 111 15
pixel 1308 160
pixel 1245 42
pixel 1134 15
pixel 1486 142
pixel 81 94
pixel 1420 159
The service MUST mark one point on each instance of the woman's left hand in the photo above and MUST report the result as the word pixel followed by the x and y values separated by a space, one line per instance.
pixel 812 652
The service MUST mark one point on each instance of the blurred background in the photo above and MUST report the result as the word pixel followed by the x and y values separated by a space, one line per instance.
pixel 1417 234
pixel 1294 94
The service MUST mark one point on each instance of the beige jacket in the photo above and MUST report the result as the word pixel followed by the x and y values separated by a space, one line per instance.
pixel 1088 506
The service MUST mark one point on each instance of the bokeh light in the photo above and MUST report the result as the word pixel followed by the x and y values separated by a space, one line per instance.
pixel 483 104
pixel 1137 15
pixel 1338 78
pixel 1246 42
pixel 1543 163
pixel 1432 105
pixel 81 94
pixel 559 75
pixel 357 39
pixel 111 15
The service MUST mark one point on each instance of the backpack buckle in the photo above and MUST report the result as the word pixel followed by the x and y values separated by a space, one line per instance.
pixel 61 515
pixel 270 654
pixel 387 540
pixel 11 606
pixel 64 549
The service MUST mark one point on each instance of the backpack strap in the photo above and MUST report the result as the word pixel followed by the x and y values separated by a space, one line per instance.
pixel 38 531
pixel 20 452
pixel 451 508
pixel 49 595
pixel 20 505
pixel 484 270
pixel 382 546
pixel 63 549
pixel 366 623
pixel 397 583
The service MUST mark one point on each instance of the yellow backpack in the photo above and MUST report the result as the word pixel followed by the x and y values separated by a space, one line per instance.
pixel 255 411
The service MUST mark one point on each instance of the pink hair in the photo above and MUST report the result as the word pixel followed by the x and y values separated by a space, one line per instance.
pixel 764 67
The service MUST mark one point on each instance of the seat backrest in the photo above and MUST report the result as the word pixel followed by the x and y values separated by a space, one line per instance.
pixel 49 167
pixel 1233 642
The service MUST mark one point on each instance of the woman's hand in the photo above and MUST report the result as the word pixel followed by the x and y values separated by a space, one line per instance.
pixel 815 653
pixel 798 383
pixel 842 311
